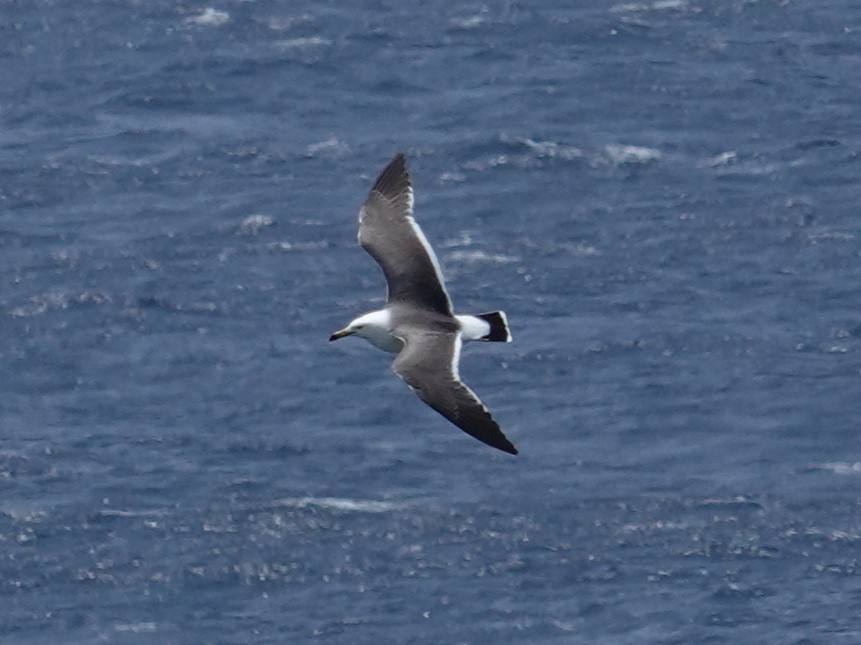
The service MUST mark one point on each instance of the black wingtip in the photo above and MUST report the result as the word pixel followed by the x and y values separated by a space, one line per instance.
pixel 511 450
pixel 507 446
pixel 487 431
pixel 394 180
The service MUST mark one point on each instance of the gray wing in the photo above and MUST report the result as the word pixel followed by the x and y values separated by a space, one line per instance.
pixel 428 364
pixel 388 231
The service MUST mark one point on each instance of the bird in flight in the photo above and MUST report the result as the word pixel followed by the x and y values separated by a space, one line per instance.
pixel 417 322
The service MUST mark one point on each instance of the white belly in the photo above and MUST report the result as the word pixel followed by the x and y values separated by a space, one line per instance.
pixel 383 339
pixel 374 328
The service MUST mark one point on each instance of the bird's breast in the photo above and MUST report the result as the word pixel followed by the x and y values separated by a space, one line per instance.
pixel 384 340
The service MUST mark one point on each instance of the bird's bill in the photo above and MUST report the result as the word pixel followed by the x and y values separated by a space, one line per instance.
pixel 341 334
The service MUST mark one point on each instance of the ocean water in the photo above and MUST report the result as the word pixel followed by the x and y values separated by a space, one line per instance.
pixel 662 196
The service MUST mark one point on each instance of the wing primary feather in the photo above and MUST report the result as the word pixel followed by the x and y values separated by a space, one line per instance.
pixel 394 181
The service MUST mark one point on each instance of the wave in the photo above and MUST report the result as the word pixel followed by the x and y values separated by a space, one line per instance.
pixel 341 504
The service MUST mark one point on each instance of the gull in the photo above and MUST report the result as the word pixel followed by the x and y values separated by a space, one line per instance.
pixel 417 323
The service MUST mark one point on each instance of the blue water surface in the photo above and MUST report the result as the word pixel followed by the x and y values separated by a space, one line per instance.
pixel 662 196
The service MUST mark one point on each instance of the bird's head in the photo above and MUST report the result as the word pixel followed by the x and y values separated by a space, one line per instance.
pixel 349 330
pixel 364 326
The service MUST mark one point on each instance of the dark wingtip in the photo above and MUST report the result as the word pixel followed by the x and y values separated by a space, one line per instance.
pixel 493 437
pixel 394 180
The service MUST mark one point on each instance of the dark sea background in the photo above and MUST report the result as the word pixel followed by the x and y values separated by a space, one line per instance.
pixel 662 195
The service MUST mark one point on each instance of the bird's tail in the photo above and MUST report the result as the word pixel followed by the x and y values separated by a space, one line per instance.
pixel 499 332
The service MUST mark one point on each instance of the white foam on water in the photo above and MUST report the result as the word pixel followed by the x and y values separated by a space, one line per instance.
pixel 839 467
pixel 622 154
pixel 659 5
pixel 253 224
pixel 331 147
pixel 209 18
pixel 342 504
pixel 553 150
pixel 302 43
pixel 723 159
pixel 136 628
pixel 480 256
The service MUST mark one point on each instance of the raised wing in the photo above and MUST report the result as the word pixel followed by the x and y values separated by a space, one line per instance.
pixel 428 364
pixel 388 231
